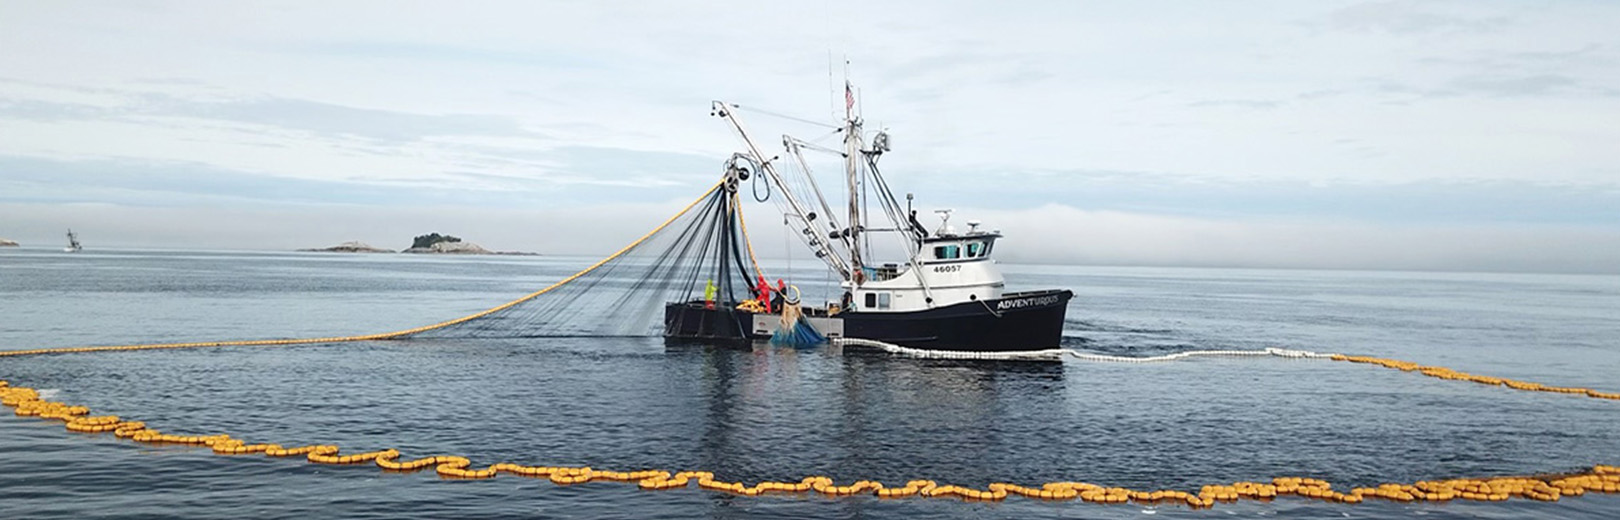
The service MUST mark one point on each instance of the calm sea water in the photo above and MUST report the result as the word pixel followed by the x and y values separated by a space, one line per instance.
pixel 782 414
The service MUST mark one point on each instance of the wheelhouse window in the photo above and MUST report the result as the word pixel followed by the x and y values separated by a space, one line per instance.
pixel 871 300
pixel 975 249
pixel 948 252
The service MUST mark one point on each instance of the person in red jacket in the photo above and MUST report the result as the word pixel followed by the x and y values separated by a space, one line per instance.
pixel 764 290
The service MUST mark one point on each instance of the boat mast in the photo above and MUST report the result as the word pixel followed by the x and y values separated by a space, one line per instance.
pixel 852 153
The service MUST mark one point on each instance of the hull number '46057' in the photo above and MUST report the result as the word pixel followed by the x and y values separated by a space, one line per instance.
pixel 947 268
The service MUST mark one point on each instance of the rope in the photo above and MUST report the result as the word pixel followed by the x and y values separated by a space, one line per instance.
pixel 369 337
pixel 1600 478
pixel 746 241
pixel 1058 354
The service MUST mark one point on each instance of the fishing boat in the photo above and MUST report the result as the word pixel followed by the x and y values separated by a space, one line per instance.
pixel 73 243
pixel 946 294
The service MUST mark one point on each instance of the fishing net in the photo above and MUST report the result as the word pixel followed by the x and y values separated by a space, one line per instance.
pixel 625 294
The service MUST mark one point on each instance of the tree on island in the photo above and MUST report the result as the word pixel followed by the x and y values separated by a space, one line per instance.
pixel 427 241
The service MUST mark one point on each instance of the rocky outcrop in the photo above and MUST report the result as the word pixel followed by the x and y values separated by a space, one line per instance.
pixel 354 246
pixel 426 241
pixel 8 243
pixel 456 247
pixel 436 243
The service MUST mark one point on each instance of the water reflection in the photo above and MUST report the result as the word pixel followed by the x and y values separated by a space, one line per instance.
pixel 773 412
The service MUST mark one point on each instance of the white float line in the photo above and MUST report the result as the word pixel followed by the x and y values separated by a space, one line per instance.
pixel 1058 353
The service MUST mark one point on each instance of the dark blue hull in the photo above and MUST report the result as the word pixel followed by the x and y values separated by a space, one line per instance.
pixel 1015 322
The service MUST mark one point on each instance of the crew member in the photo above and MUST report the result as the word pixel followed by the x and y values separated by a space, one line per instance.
pixel 764 290
pixel 781 294
pixel 708 295
pixel 917 228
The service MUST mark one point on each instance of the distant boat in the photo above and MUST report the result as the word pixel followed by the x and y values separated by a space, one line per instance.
pixel 73 243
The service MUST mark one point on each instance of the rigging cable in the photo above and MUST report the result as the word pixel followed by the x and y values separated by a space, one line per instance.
pixel 783 116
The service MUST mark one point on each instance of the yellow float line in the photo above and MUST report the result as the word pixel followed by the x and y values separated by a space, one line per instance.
pixel 1453 375
pixel 367 337
pixel 1600 478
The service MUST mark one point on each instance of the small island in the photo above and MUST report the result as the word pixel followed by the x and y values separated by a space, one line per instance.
pixel 352 246
pixel 8 243
pixel 431 243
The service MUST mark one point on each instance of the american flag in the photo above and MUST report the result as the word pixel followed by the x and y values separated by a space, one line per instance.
pixel 849 97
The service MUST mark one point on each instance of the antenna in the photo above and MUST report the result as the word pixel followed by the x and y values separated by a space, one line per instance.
pixel 832 88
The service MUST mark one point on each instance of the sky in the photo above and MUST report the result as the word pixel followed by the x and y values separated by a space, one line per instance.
pixel 1469 135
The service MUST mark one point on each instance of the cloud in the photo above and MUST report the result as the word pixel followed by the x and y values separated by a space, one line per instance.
pixel 1516 86
pixel 1497 85
pixel 304 141
pixel 1256 104
pixel 429 52
pixel 1408 17
pixel 1062 234
pixel 297 115
pixel 36 110
pixel 337 120
pixel 1423 201
pixel 126 181
pixel 1587 55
